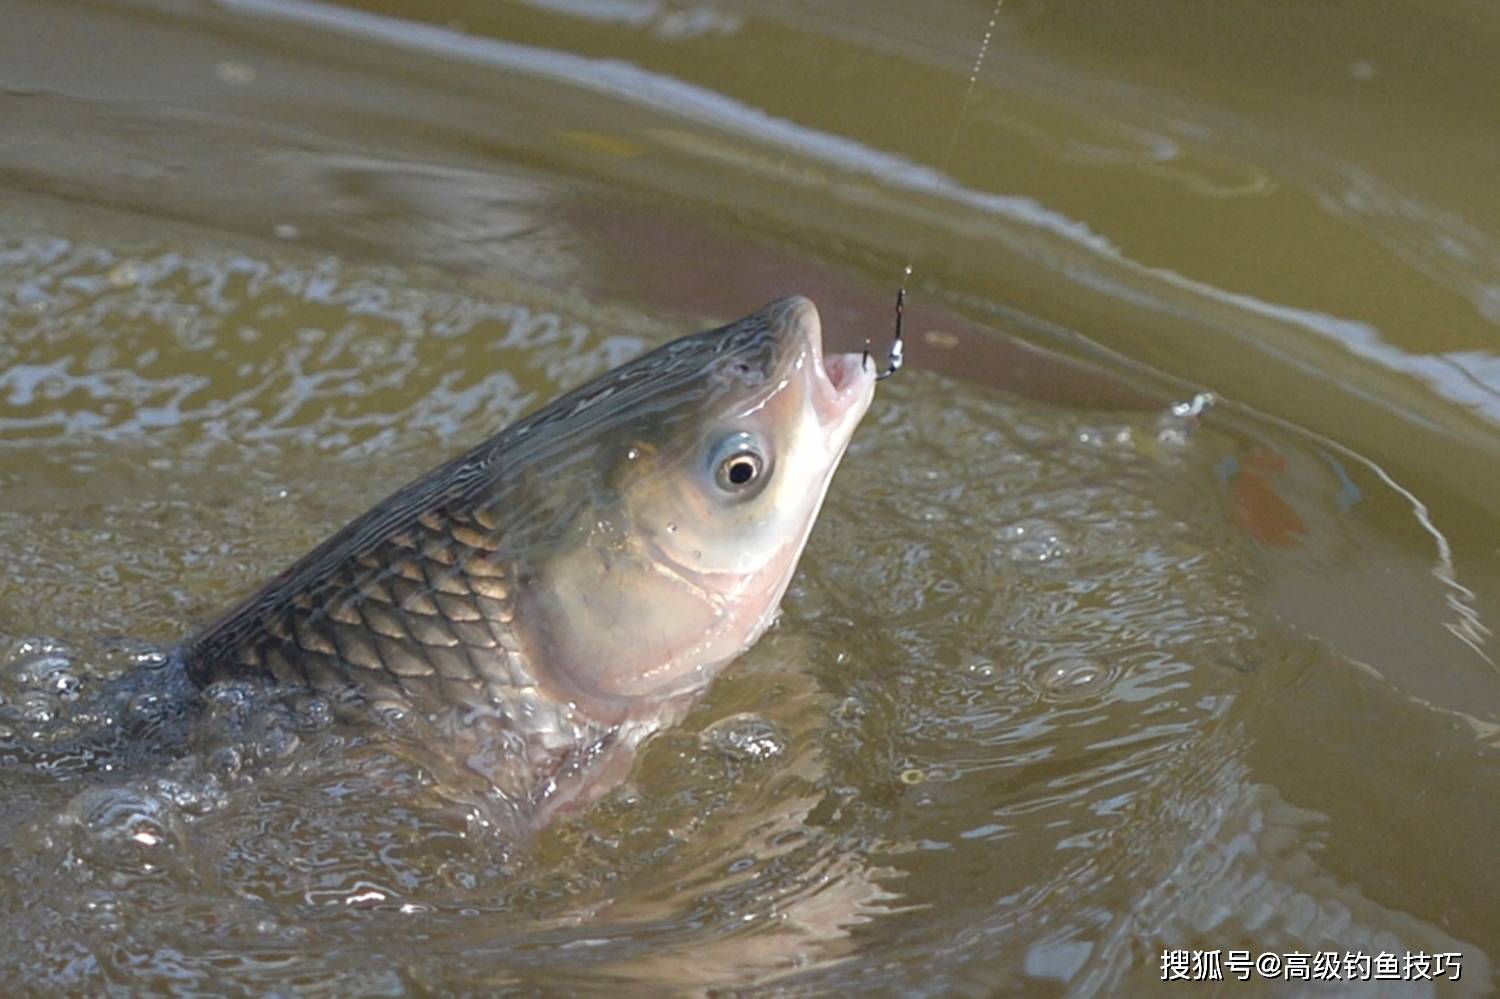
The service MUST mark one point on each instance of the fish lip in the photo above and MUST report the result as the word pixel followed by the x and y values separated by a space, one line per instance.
pixel 843 384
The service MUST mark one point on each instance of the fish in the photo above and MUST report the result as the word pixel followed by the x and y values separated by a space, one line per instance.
pixel 540 605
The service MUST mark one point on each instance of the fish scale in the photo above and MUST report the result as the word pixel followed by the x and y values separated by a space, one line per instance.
pixel 421 615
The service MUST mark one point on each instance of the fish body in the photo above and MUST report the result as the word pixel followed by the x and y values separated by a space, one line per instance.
pixel 538 606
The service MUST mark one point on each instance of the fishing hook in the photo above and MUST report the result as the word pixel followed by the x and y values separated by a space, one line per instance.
pixel 894 359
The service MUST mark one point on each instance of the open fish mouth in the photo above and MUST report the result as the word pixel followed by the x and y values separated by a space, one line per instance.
pixel 841 370
pixel 842 384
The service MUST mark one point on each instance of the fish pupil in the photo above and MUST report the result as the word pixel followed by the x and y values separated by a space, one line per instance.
pixel 741 471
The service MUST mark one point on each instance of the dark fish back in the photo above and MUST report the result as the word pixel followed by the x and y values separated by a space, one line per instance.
pixel 410 603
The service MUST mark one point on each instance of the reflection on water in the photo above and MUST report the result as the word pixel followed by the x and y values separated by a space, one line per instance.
pixel 1059 686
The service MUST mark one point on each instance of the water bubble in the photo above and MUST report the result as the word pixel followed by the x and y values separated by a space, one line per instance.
pixel 122 655
pixel 226 760
pixel 1071 679
pixel 395 715
pixel 311 712
pixel 1194 407
pixel 277 742
pixel 64 683
pixel 104 909
pixel 193 792
pixel 743 738
pixel 31 660
pixel 1033 542
pixel 1177 424
pixel 982 668
pixel 124 829
pixel 849 711
pixel 627 796
pixel 232 700
pixel 37 707
pixel 149 708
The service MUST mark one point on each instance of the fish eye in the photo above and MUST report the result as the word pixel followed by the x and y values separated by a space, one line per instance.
pixel 739 464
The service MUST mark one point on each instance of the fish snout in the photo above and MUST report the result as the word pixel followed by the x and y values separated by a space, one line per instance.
pixel 840 385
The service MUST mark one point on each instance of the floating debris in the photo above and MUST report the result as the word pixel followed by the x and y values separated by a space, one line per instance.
pixel 1177 424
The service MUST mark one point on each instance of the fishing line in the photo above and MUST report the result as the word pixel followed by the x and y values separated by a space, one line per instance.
pixel 895 358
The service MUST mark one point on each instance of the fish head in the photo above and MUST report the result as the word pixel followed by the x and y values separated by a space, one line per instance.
pixel 732 483
pixel 714 480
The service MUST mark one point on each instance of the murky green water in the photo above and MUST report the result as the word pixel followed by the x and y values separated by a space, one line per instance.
pixel 1057 686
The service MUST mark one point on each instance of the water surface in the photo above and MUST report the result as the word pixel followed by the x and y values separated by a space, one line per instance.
pixel 1059 685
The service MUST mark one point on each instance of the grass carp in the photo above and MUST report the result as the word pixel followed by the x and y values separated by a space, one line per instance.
pixel 538 606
